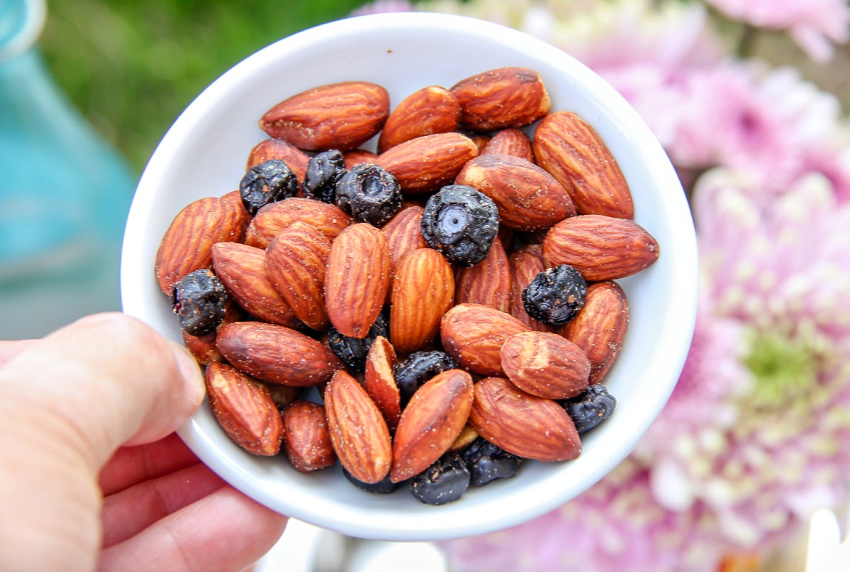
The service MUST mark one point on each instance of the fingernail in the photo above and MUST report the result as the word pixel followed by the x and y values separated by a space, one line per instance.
pixel 191 372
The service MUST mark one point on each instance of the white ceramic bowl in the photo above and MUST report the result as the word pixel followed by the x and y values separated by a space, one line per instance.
pixel 204 154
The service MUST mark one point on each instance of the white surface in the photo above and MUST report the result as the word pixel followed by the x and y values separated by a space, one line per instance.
pixel 204 154
pixel 826 552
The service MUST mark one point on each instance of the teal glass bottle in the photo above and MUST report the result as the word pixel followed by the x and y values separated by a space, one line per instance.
pixel 64 192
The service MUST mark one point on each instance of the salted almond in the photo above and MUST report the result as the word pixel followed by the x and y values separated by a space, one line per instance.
pixel 334 116
pixel 423 290
pixel 512 142
pixel 528 426
pixel 295 265
pixel 356 279
pixel 426 111
pixel 432 420
pixel 203 347
pixel 473 335
pixel 276 354
pixel 307 440
pixel 600 247
pixel 500 98
pixel 269 149
pixel 244 409
pixel 526 263
pixel 428 162
pixel 464 439
pixel 600 327
pixel 358 157
pixel 379 381
pixel 545 365
pixel 404 235
pixel 271 219
pixel 488 282
pixel 359 434
pixel 573 152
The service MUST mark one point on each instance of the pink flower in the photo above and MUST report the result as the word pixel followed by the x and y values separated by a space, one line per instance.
pixel 383 6
pixel 813 24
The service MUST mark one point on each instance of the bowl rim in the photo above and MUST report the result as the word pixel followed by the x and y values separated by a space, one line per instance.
pixel 678 333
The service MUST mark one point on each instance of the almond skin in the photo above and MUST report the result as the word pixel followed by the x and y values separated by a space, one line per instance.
pixel 404 235
pixel 244 408
pixel 270 220
pixel 307 440
pixel 600 247
pixel 357 278
pixel 510 142
pixel 379 381
pixel 423 290
pixel 473 335
pixel 269 149
pixel 295 265
pixel 335 116
pixel 358 432
pixel 600 327
pixel 570 149
pixel 528 197
pixel 242 270
pixel 187 244
pixel 432 420
pixel 500 98
pixel 426 111
pixel 358 157
pixel 526 263
pixel 488 282
pixel 520 423
pixel 545 365
pixel 276 354
pixel 428 162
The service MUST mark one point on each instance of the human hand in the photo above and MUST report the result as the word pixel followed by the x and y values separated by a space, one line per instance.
pixel 93 476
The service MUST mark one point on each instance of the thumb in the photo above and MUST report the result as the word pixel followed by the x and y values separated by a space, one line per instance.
pixel 105 381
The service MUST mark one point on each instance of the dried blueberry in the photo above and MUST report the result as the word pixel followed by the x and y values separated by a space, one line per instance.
pixel 460 222
pixel 370 193
pixel 418 368
pixel 444 481
pixel 266 183
pixel 487 462
pixel 323 173
pixel 383 487
pixel 555 295
pixel 590 408
pixel 352 351
pixel 198 300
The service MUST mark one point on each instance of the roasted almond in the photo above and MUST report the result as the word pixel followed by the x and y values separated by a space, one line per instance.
pixel 242 270
pixel 473 335
pixel 571 150
pixel 244 409
pixel 379 381
pixel 528 197
pixel 356 279
pixel 334 116
pixel 271 219
pixel 423 290
pixel 358 432
pixel 276 354
pixel 295 264
pixel 545 365
pixel 426 111
pixel 404 235
pixel 600 327
pixel 500 98
pixel 358 157
pixel 428 162
pixel 526 263
pixel 510 142
pixel 488 282
pixel 520 423
pixel 307 440
pixel 600 247
pixel 269 149
pixel 432 420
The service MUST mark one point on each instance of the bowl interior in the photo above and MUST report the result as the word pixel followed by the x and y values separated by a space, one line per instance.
pixel 204 154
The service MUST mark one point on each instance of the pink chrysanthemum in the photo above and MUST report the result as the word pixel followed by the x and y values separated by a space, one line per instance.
pixel 813 24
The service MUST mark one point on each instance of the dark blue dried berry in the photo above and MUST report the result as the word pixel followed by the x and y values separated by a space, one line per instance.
pixel 324 171
pixel 555 295
pixel 443 482
pixel 198 299
pixel 267 183
pixel 369 193
pixel 590 408
pixel 487 462
pixel 460 222
pixel 383 487
pixel 353 351
pixel 418 368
